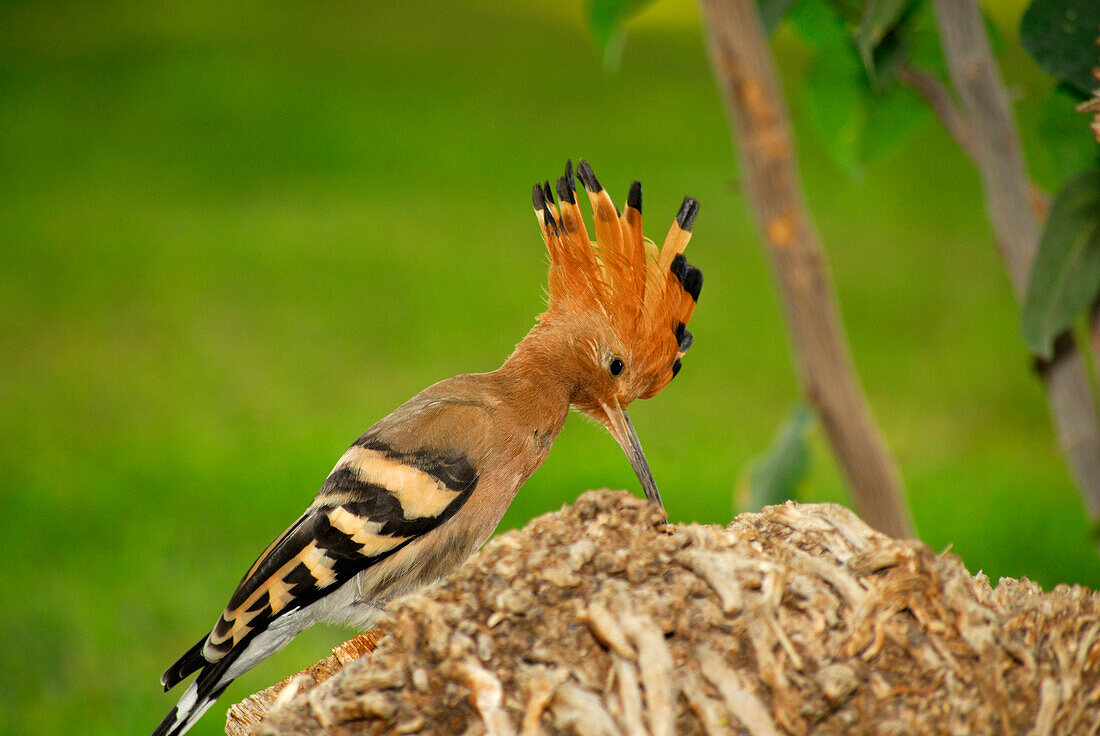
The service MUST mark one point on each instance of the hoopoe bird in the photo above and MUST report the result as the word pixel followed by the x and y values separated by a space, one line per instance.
pixel 427 485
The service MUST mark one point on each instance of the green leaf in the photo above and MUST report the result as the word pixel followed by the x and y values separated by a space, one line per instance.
pixel 856 124
pixel 857 117
pixel 607 19
pixel 836 105
pixel 820 24
pixel 1061 35
pixel 772 11
pixel 993 31
pixel 776 476
pixel 922 41
pixel 893 115
pixel 1065 277
pixel 1065 134
pixel 874 36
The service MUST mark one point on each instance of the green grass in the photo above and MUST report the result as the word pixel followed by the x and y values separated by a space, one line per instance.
pixel 232 238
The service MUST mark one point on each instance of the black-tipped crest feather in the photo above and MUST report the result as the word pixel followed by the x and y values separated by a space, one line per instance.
pixel 688 210
pixel 693 282
pixel 622 275
pixel 539 200
pixel 588 177
pixel 565 191
pixel 634 196
pixel 679 267
pixel 686 341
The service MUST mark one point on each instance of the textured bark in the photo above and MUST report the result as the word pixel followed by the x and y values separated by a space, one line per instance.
pixel 602 619
pixel 745 72
pixel 994 146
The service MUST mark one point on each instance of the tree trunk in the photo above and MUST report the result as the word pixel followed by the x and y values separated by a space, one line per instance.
pixel 745 72
pixel 994 145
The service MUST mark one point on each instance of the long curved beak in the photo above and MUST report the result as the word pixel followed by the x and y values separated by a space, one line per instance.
pixel 623 432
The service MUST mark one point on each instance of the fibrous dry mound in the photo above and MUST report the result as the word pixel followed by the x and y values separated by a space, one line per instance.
pixel 602 619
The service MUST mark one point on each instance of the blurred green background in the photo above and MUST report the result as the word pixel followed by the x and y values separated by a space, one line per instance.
pixel 233 235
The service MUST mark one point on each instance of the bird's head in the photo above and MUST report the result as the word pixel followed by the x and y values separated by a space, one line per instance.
pixel 622 302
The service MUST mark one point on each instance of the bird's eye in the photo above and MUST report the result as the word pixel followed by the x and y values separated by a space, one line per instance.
pixel 615 366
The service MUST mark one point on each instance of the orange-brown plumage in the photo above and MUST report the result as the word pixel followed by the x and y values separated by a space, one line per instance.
pixel 427 484
pixel 643 296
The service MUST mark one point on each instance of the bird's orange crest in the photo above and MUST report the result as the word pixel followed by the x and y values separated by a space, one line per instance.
pixel 646 293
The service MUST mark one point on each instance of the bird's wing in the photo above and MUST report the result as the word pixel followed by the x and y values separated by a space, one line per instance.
pixel 390 488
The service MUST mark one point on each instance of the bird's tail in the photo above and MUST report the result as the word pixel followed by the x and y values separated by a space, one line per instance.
pixel 213 679
pixel 188 710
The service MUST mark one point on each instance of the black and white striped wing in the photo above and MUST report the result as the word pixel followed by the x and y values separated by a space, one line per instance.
pixel 375 502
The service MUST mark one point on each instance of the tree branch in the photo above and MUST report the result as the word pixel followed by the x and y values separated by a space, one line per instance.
pixel 937 97
pixel 1091 106
pixel 745 72
pixel 978 84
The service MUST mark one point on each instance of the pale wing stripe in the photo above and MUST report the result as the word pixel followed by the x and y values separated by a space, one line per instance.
pixel 241 625
pixel 363 532
pixel 277 590
pixel 273 586
pixel 319 565
pixel 420 494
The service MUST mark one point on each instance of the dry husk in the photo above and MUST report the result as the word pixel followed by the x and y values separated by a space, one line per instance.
pixel 601 619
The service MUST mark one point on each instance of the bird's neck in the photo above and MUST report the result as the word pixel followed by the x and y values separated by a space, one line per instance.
pixel 538 379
